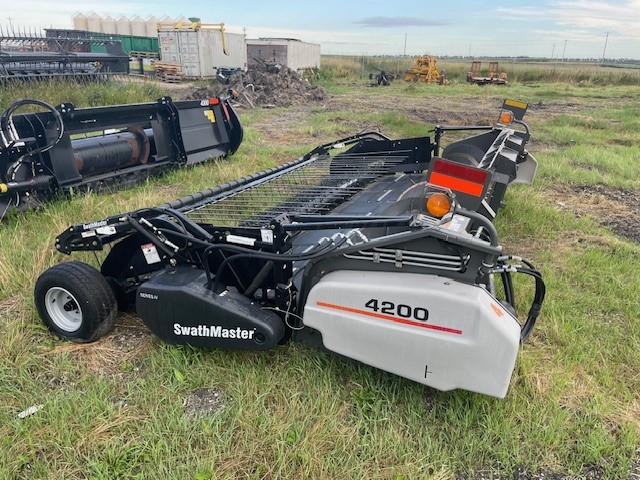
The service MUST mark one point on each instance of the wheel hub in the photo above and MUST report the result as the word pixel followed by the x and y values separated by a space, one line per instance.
pixel 63 308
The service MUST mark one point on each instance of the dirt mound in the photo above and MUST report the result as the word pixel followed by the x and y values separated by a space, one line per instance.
pixel 611 207
pixel 265 85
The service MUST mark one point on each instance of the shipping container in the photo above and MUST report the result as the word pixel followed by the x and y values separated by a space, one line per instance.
pixel 289 52
pixel 199 51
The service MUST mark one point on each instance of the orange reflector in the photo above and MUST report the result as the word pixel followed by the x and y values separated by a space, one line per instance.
pixel 214 101
pixel 506 117
pixel 438 205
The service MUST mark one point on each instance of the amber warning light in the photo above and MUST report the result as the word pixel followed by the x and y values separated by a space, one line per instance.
pixel 506 117
pixel 438 205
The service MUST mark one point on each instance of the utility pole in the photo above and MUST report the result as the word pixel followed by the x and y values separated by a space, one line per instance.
pixel 553 49
pixel 404 52
pixel 469 51
pixel 564 48
pixel 606 39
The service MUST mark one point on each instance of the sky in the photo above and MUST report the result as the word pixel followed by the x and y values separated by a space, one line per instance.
pixel 546 28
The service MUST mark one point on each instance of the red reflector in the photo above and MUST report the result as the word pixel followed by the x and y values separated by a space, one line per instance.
pixel 464 172
pixel 456 184
pixel 214 101
pixel 459 178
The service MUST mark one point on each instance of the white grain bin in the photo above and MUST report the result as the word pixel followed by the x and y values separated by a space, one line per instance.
pixel 123 25
pixel 289 52
pixel 167 20
pixel 199 51
pixel 94 22
pixel 80 22
pixel 152 26
pixel 138 26
pixel 108 24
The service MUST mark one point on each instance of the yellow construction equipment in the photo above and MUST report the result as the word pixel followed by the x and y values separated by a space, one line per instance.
pixel 425 70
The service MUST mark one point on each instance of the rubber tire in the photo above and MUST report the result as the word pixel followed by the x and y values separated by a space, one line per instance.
pixel 96 301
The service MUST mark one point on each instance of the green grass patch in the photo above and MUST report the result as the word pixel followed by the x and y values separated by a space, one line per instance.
pixel 599 146
pixel 85 94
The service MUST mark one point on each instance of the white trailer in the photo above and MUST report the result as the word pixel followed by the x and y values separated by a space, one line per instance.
pixel 289 52
pixel 200 51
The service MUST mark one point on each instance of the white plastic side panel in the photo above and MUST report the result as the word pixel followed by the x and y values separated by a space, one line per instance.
pixel 468 340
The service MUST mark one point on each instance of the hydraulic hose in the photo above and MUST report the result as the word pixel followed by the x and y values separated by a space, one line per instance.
pixel 536 304
pixel 505 271
pixel 8 129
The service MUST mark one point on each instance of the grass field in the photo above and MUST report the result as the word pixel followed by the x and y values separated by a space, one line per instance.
pixel 122 407
pixel 522 71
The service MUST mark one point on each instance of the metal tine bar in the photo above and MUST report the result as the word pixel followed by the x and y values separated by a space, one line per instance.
pixel 288 201
pixel 317 208
pixel 258 219
pixel 267 214
pixel 311 193
pixel 284 198
pixel 315 187
pixel 377 155
pixel 228 203
pixel 370 157
pixel 280 207
pixel 297 192
pixel 285 203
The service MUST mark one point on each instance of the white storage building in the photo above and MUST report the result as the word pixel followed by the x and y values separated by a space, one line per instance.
pixel 199 51
pixel 289 52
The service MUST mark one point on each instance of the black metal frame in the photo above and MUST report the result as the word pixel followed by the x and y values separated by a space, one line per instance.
pixel 25 58
pixel 69 148
pixel 233 266
pixel 181 237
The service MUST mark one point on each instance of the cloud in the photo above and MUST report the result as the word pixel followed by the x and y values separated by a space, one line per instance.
pixel 519 13
pixel 398 22
pixel 585 14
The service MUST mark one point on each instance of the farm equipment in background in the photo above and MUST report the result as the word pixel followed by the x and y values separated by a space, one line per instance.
pixel 383 78
pixel 495 76
pixel 62 148
pixel 28 57
pixel 425 69
pixel 379 250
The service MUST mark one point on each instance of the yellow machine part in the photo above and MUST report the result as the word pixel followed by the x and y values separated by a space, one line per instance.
pixel 425 69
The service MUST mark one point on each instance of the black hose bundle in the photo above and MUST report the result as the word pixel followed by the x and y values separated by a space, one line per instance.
pixel 10 137
pixel 538 298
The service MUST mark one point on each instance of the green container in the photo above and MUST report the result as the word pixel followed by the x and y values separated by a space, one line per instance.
pixel 130 43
